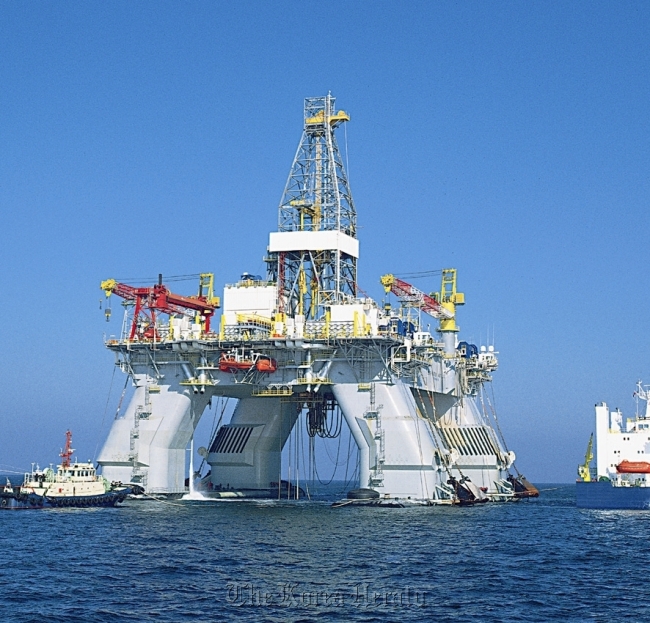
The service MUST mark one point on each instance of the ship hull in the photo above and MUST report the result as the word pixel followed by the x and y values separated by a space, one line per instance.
pixel 603 495
pixel 25 501
pixel 20 501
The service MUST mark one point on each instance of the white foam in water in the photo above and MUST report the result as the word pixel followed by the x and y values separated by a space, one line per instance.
pixel 193 494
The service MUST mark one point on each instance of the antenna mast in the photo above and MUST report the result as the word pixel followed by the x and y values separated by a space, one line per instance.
pixel 67 451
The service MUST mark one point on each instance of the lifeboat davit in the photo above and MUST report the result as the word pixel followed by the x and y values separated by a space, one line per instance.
pixel 633 467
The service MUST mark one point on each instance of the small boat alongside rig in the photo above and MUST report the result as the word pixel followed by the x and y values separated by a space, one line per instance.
pixel 73 484
pixel 621 478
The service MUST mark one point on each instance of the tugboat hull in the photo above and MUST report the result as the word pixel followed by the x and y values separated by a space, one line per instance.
pixel 108 499
pixel 26 501
pixel 20 501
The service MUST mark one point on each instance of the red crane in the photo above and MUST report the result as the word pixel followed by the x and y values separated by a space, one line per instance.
pixel 407 293
pixel 159 300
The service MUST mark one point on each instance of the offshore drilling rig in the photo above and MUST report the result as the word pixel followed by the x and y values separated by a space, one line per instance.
pixel 303 340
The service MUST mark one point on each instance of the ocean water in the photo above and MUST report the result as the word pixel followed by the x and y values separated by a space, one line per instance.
pixel 539 560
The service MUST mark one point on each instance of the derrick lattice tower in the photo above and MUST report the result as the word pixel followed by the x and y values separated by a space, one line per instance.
pixel 313 255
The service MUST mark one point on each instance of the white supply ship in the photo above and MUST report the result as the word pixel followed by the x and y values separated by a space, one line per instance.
pixel 303 344
pixel 621 478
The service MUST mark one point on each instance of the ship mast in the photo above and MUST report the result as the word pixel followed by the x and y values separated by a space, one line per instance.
pixel 68 450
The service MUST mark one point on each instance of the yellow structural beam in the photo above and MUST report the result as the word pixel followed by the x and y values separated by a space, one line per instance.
pixel 206 288
pixel 319 117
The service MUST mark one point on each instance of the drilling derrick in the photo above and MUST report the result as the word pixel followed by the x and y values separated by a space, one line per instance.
pixel 313 255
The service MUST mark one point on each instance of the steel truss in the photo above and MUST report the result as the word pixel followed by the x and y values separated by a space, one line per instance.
pixel 316 198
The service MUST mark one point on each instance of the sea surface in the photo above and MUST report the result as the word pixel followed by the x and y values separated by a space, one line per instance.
pixel 539 560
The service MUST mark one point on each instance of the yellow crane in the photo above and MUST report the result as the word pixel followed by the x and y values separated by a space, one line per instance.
pixel 583 470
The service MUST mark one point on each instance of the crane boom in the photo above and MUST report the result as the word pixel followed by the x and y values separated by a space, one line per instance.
pixel 159 299
pixel 408 293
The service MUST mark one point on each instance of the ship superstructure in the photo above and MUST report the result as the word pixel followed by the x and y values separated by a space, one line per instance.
pixel 622 440
pixel 303 343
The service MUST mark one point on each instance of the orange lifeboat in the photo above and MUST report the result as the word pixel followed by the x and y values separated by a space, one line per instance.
pixel 266 364
pixel 633 467
pixel 229 363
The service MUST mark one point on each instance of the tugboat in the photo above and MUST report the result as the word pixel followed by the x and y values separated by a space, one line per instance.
pixel 621 478
pixel 73 484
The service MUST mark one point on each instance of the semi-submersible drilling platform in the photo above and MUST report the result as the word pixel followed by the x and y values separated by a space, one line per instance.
pixel 303 345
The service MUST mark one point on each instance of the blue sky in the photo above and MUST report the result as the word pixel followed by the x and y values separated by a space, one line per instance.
pixel 507 139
